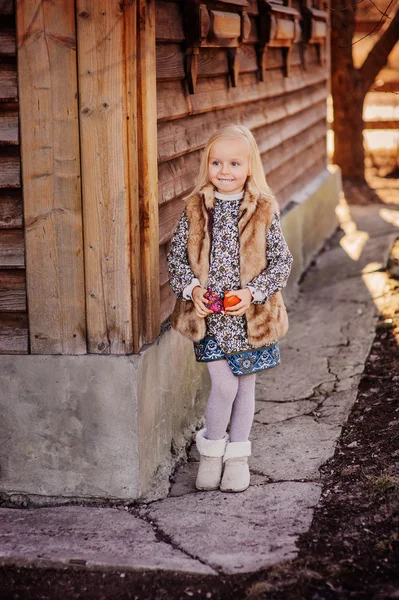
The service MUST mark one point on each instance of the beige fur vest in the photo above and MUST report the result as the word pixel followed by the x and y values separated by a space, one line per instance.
pixel 267 322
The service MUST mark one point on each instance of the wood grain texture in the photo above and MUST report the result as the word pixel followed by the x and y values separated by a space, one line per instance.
pixel 148 168
pixel 12 248
pixel 12 291
pixel 9 128
pixel 10 209
pixel 105 177
pixel 212 93
pixel 13 333
pixel 10 168
pixel 213 61
pixel 51 176
pixel 7 42
pixel 8 85
pixel 133 171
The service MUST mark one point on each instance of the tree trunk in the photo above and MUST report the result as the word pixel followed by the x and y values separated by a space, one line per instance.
pixel 347 92
pixel 349 85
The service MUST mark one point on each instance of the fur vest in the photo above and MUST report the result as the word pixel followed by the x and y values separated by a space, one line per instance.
pixel 266 322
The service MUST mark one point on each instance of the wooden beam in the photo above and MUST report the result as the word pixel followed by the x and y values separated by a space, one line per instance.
pixel 148 168
pixel 47 76
pixel 133 169
pixel 105 175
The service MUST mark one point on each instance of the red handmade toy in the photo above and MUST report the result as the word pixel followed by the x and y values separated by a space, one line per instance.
pixel 215 302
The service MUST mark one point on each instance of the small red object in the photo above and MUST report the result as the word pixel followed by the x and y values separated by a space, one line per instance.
pixel 230 300
pixel 215 302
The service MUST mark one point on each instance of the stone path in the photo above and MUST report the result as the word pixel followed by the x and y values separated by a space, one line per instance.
pixel 301 407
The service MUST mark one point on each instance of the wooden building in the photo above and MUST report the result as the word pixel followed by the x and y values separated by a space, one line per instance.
pixel 105 107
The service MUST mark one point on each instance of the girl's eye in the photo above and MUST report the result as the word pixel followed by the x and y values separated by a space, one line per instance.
pixel 234 163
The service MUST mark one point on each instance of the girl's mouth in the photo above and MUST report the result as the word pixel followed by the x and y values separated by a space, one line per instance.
pixel 228 180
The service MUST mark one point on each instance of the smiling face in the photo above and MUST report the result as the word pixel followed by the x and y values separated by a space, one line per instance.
pixel 228 165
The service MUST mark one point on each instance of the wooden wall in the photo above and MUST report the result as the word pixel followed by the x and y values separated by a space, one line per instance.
pixel 13 315
pixel 111 141
pixel 286 114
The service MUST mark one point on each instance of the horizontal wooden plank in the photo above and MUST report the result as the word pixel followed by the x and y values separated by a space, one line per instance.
pixel 163 265
pixel 291 171
pixel 10 209
pixel 292 146
pixel 169 22
pixel 12 247
pixel 211 62
pixel 313 169
pixel 169 214
pixel 176 177
pixel 391 87
pixel 12 290
pixel 272 136
pixel 214 93
pixel 10 170
pixel 13 333
pixel 6 7
pixel 187 134
pixel 9 128
pixel 7 42
pixel 382 124
pixel 8 85
pixel 168 301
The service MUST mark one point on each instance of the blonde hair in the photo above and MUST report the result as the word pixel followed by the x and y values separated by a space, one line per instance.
pixel 255 162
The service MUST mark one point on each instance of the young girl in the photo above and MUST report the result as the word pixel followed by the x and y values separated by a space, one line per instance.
pixel 229 241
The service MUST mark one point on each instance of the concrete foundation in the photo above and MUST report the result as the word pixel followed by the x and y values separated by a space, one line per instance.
pixel 97 427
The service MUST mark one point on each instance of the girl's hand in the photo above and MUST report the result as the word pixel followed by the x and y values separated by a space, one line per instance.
pixel 239 309
pixel 200 302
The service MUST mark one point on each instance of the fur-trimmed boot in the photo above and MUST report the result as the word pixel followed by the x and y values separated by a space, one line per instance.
pixel 236 474
pixel 211 461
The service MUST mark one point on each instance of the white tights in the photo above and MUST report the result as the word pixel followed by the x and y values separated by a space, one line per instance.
pixel 231 399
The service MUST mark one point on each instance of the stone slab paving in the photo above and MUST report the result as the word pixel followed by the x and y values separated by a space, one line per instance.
pixel 91 536
pixel 301 406
pixel 239 533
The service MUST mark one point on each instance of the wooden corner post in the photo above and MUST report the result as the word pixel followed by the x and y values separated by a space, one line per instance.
pixel 105 175
pixel 51 176
pixel 148 167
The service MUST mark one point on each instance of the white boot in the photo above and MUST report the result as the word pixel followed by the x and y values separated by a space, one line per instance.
pixel 211 461
pixel 236 470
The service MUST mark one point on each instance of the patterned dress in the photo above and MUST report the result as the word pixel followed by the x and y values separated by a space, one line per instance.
pixel 226 336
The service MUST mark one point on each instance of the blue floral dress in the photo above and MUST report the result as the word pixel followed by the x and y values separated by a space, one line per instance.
pixel 226 336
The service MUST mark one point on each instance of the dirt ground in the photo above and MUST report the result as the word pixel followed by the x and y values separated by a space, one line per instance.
pixel 352 548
